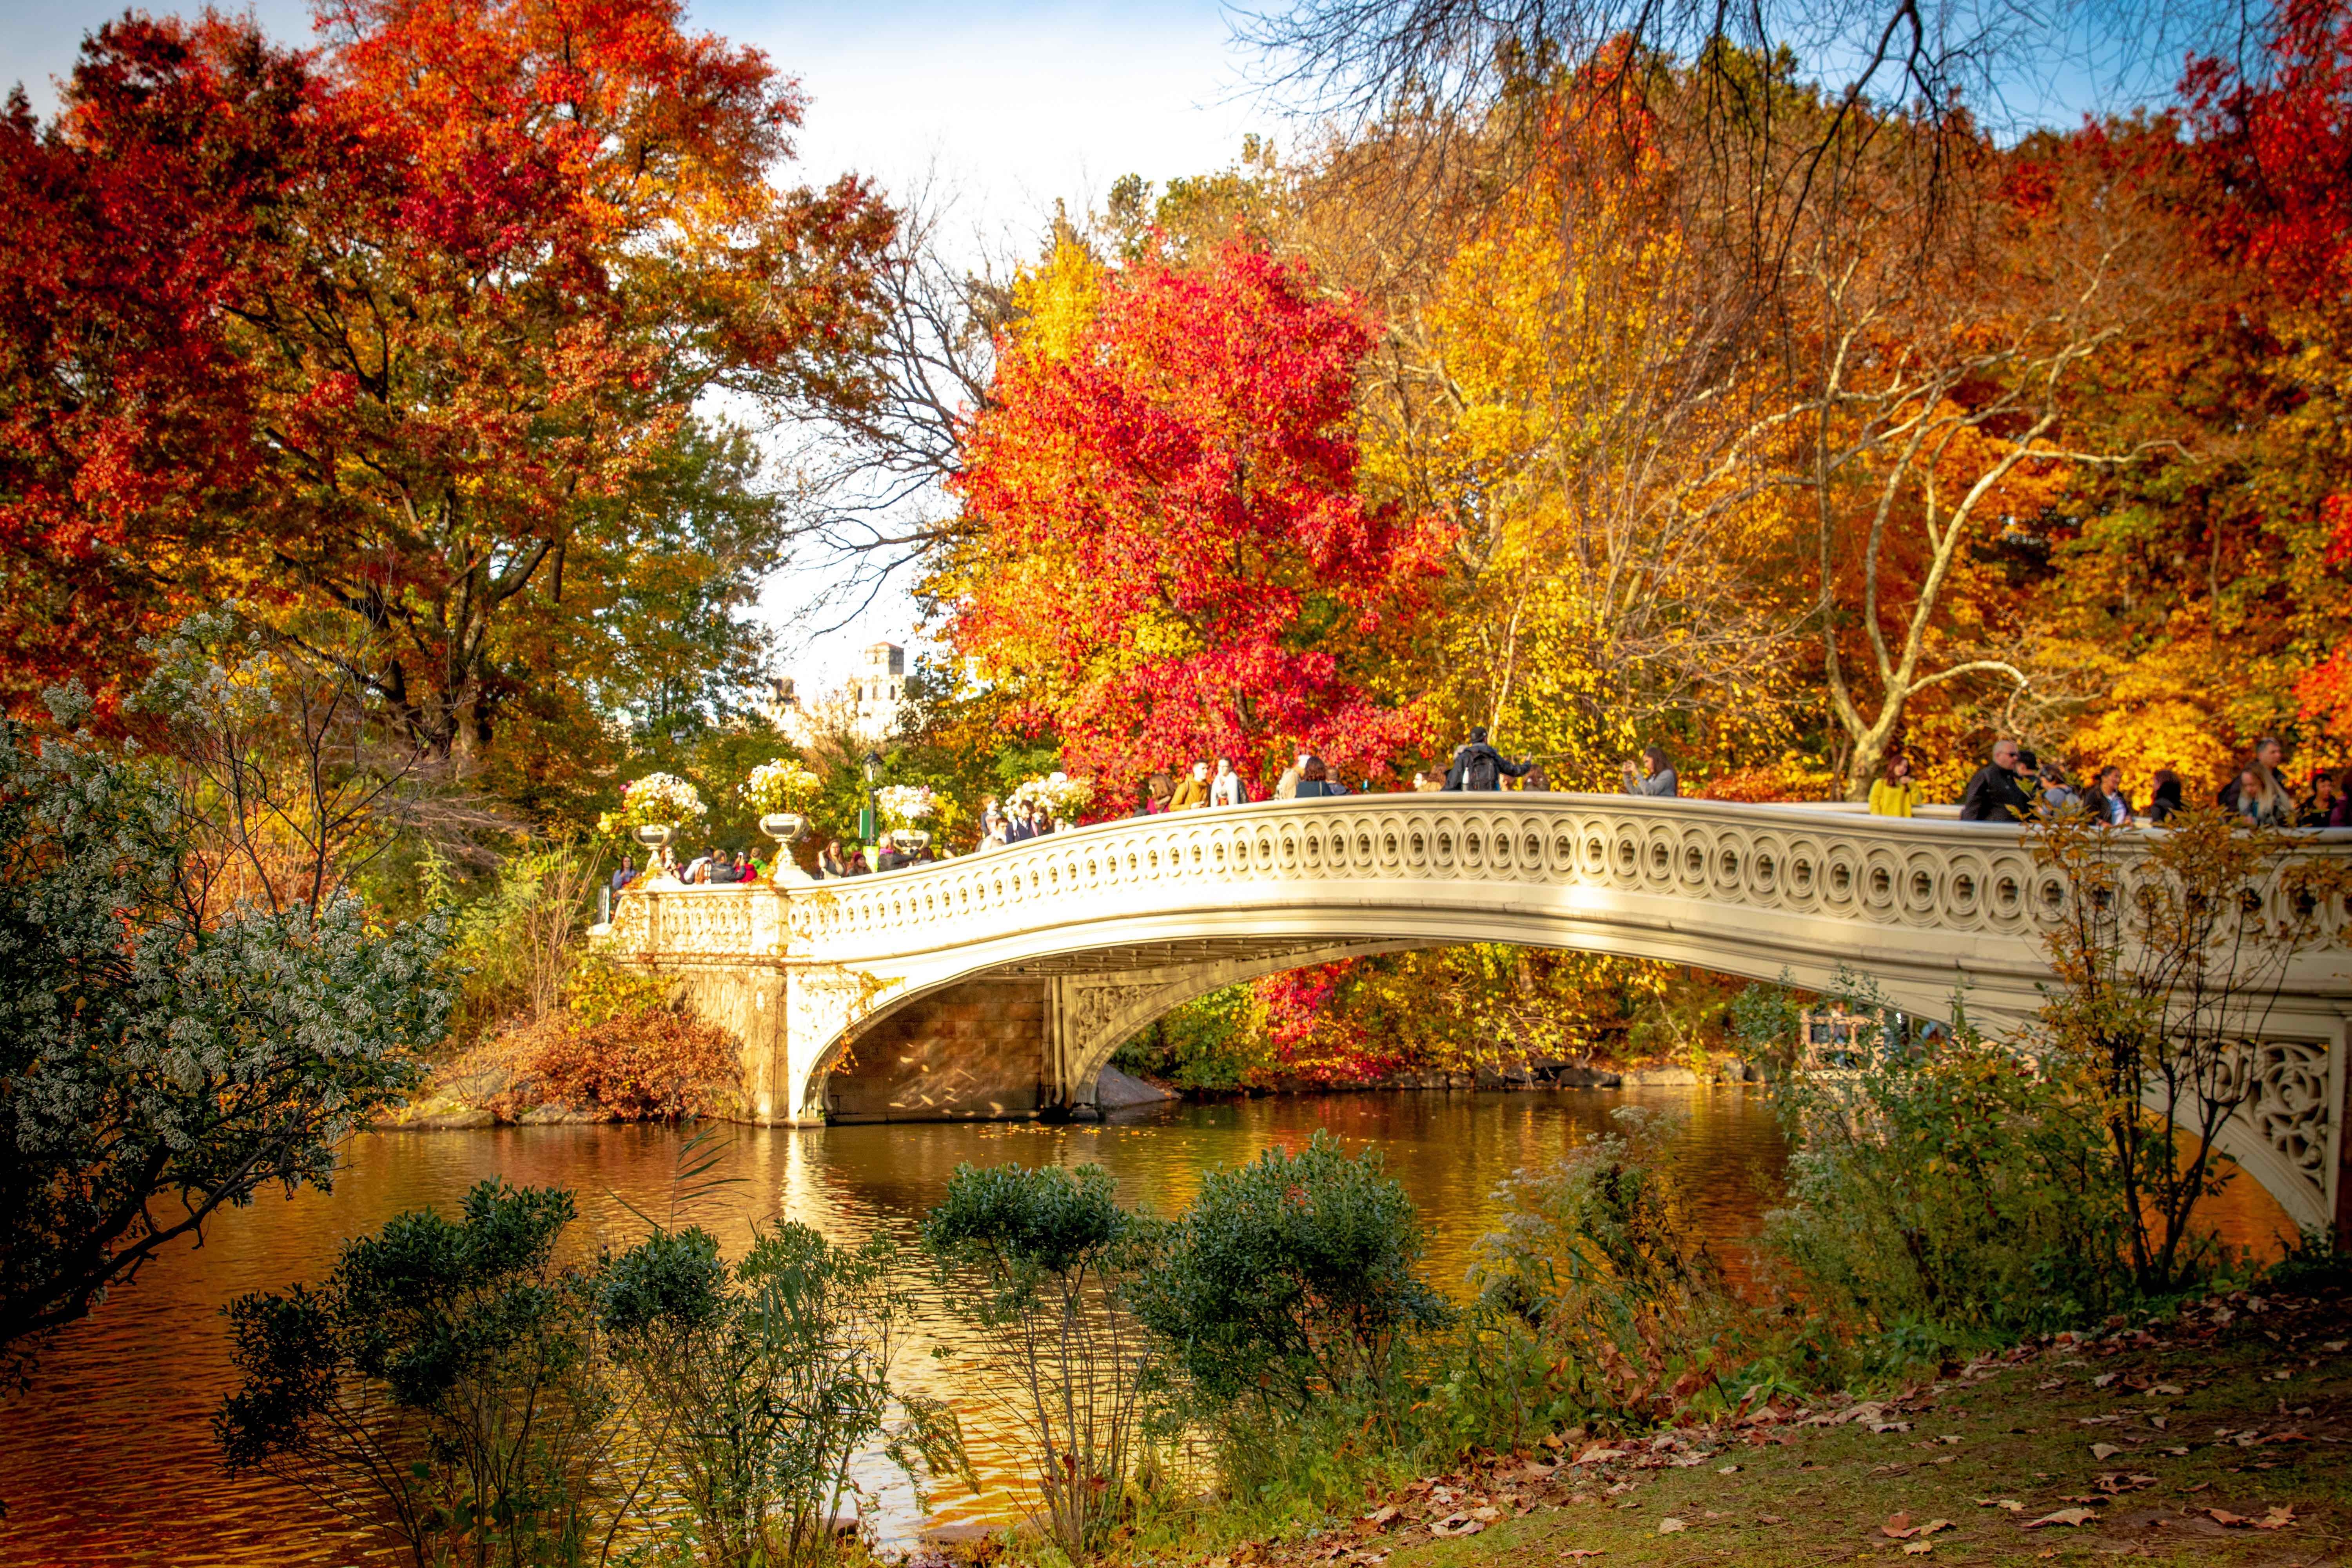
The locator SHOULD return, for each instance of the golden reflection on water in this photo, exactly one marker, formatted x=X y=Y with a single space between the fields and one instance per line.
x=109 y=1461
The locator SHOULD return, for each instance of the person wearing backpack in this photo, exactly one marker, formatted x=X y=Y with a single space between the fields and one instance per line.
x=1478 y=766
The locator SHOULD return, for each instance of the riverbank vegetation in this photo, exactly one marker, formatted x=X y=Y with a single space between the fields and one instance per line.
x=1270 y=1373
x=1260 y=1365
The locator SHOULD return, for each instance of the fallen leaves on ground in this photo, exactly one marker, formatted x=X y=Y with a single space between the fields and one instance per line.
x=2069 y=1517
x=1900 y=1528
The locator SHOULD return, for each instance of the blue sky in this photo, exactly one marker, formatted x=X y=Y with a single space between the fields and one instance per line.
x=1018 y=103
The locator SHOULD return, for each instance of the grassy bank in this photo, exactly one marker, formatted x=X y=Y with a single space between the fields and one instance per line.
x=2220 y=1436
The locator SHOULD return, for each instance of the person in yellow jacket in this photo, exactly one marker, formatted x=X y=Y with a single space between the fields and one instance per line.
x=1193 y=791
x=1896 y=792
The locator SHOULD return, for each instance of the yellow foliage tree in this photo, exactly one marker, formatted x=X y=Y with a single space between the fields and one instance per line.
x=1571 y=393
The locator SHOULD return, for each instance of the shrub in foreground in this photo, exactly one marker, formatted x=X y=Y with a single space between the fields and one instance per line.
x=1594 y=1299
x=758 y=1384
x=1039 y=1261
x=459 y=1393
x=1945 y=1196
x=1292 y=1279
x=442 y=1387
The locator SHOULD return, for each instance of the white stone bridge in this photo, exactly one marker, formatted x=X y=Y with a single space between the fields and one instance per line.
x=999 y=985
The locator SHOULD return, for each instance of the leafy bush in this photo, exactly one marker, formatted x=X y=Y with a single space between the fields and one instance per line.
x=1947 y=1195
x=1291 y=1278
x=598 y=991
x=2312 y=1265
x=518 y=942
x=1593 y=1263
x=442 y=1387
x=641 y=1064
x=1038 y=1260
x=765 y=1380
x=2156 y=990
x=1210 y=1044
x=162 y=1051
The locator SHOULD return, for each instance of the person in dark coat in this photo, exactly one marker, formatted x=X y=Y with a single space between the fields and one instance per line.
x=1478 y=765
x=2319 y=811
x=1994 y=795
x=1314 y=781
x=2164 y=801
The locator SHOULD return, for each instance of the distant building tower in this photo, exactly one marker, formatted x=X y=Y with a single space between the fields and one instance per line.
x=866 y=710
x=880 y=689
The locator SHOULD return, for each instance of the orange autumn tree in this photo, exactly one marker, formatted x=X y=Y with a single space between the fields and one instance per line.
x=404 y=334
x=1947 y=309
x=2272 y=136
x=1166 y=556
x=1582 y=391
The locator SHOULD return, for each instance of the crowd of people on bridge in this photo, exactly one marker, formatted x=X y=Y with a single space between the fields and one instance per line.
x=2013 y=785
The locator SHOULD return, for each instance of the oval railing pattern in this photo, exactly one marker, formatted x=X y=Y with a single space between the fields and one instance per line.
x=1892 y=873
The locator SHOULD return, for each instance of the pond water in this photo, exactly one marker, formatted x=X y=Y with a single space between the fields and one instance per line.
x=110 y=1460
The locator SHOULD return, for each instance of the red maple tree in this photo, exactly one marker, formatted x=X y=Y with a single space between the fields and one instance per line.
x=1170 y=560
x=2276 y=144
x=379 y=329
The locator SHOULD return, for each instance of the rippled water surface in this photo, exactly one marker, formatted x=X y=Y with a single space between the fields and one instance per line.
x=109 y=1461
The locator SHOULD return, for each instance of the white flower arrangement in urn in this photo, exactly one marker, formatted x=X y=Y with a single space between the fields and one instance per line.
x=1062 y=797
x=781 y=790
x=653 y=809
x=781 y=786
x=903 y=805
x=656 y=800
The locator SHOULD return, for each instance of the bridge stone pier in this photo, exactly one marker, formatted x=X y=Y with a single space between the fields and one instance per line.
x=998 y=985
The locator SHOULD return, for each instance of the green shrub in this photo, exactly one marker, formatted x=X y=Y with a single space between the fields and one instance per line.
x=442 y=1388
x=2312 y=1266
x=1039 y=1260
x=1947 y=1195
x=760 y=1382
x=1594 y=1300
x=1290 y=1279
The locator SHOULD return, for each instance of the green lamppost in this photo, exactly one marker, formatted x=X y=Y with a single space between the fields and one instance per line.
x=866 y=823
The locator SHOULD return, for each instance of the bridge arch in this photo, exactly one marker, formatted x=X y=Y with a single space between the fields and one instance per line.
x=1070 y=943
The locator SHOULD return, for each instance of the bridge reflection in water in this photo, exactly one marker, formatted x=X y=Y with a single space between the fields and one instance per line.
x=995 y=986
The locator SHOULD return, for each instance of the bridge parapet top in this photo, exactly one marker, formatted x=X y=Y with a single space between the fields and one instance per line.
x=1777 y=863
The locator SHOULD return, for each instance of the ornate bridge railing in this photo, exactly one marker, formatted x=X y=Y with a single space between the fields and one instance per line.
x=1937 y=879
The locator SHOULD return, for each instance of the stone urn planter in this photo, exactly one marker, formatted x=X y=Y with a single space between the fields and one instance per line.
x=657 y=838
x=787 y=828
x=909 y=840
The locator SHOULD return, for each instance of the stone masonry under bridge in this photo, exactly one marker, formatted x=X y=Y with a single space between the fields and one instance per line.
x=997 y=985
